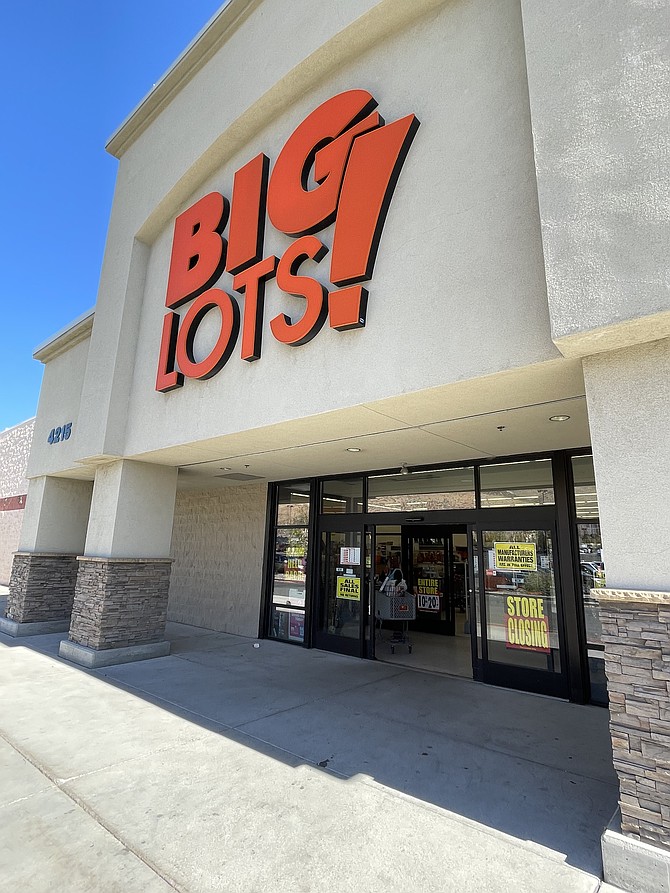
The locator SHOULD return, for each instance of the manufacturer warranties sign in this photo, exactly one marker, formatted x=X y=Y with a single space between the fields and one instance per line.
x=515 y=556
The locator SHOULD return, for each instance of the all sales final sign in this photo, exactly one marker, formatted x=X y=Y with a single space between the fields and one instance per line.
x=355 y=159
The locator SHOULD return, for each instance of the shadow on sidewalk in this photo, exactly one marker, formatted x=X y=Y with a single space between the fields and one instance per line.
x=534 y=768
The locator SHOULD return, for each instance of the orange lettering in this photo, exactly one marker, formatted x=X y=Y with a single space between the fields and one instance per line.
x=220 y=353
x=302 y=331
x=198 y=250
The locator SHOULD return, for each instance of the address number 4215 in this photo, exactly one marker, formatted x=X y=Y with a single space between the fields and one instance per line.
x=56 y=435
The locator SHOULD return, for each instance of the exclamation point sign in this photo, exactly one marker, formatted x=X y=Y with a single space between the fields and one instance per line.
x=371 y=175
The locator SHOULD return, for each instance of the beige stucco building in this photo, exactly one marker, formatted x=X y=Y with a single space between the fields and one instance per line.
x=426 y=328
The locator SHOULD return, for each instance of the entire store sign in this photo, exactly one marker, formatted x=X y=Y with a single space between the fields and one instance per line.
x=428 y=594
x=355 y=159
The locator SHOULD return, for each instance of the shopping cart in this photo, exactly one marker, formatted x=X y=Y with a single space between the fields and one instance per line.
x=400 y=607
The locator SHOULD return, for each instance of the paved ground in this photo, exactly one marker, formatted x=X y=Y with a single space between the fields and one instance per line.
x=226 y=767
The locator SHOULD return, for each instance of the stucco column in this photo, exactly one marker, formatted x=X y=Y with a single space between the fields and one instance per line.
x=629 y=415
x=44 y=570
x=120 y=604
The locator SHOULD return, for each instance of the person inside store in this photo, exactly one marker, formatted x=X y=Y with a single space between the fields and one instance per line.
x=394 y=583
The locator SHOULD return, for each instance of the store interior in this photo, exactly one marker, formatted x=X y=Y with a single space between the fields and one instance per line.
x=429 y=629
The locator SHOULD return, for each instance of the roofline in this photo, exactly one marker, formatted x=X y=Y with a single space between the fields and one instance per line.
x=17 y=425
x=182 y=70
x=67 y=337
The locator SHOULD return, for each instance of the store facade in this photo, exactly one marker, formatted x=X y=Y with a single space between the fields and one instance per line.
x=502 y=558
x=392 y=295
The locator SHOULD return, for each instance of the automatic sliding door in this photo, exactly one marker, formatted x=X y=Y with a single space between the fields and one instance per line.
x=341 y=602
x=522 y=646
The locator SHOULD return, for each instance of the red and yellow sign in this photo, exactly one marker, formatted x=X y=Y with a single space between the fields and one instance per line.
x=355 y=160
x=526 y=624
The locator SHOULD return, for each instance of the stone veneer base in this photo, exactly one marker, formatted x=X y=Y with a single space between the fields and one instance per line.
x=92 y=658
x=120 y=602
x=636 y=637
x=39 y=628
x=632 y=864
x=41 y=588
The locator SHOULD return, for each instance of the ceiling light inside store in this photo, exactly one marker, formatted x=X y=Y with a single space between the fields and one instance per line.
x=559 y=418
x=353 y=449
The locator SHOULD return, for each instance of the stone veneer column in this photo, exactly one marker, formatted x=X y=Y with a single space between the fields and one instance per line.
x=120 y=603
x=41 y=592
x=44 y=571
x=636 y=636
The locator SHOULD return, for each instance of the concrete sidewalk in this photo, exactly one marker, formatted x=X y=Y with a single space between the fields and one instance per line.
x=226 y=767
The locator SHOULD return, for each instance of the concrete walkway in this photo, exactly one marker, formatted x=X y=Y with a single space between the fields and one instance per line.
x=229 y=767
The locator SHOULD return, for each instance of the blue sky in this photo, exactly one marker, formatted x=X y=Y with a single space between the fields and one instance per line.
x=71 y=71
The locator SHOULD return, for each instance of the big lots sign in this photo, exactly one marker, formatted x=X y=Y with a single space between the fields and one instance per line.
x=354 y=160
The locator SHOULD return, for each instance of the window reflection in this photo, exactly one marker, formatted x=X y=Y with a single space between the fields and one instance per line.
x=293 y=503
x=290 y=567
x=341 y=584
x=586 y=498
x=419 y=491
x=592 y=569
x=342 y=497
x=289 y=572
x=517 y=484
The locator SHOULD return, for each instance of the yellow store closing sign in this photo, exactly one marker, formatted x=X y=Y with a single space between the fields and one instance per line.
x=527 y=625
x=515 y=556
x=349 y=587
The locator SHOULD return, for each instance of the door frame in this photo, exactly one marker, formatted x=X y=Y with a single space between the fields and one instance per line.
x=443 y=529
x=437 y=531
x=324 y=640
x=546 y=682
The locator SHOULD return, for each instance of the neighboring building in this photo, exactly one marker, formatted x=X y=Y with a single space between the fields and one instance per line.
x=430 y=332
x=14 y=450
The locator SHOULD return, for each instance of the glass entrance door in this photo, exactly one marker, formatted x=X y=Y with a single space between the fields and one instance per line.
x=429 y=565
x=342 y=605
x=487 y=598
x=521 y=645
x=434 y=562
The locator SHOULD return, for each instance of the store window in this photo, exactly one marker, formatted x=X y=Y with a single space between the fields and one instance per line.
x=520 y=590
x=342 y=496
x=293 y=504
x=517 y=484
x=422 y=491
x=289 y=575
x=591 y=569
